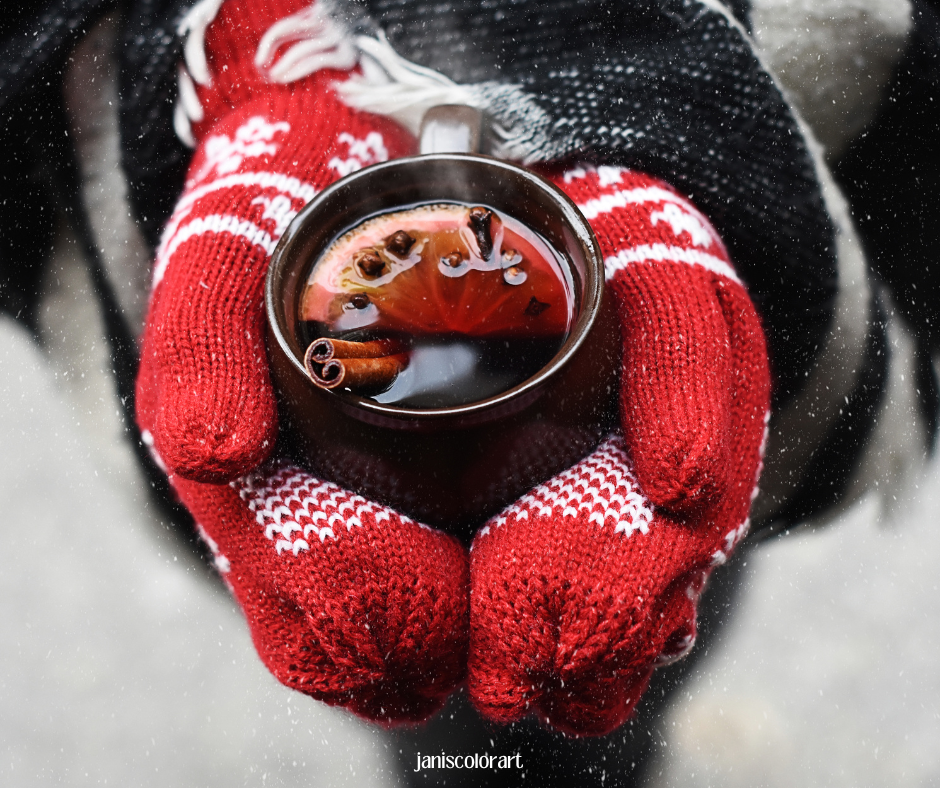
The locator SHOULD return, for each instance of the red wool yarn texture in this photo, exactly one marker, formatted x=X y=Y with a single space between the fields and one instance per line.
x=203 y=348
x=347 y=601
x=572 y=595
x=580 y=589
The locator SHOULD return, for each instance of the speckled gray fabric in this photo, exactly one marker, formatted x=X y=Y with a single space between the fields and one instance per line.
x=154 y=159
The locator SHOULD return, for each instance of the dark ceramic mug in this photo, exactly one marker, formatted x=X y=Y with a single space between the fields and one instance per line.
x=449 y=467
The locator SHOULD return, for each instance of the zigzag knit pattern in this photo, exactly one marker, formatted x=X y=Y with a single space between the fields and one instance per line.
x=585 y=585
x=286 y=499
x=600 y=488
x=347 y=601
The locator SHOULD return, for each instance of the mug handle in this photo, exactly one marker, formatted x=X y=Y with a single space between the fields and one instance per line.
x=451 y=128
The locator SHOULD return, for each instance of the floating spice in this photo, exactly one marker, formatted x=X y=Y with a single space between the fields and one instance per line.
x=515 y=275
x=369 y=263
x=468 y=301
x=359 y=366
x=535 y=307
x=481 y=220
x=399 y=243
x=452 y=260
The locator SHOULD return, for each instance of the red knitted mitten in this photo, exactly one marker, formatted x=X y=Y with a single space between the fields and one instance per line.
x=587 y=583
x=254 y=168
x=347 y=601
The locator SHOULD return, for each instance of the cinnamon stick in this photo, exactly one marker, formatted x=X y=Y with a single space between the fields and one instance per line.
x=322 y=350
x=366 y=366
x=360 y=374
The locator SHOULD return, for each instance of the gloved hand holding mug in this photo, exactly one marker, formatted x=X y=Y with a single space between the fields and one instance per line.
x=347 y=600
x=573 y=594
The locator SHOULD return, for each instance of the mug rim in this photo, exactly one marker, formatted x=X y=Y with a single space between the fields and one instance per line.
x=520 y=395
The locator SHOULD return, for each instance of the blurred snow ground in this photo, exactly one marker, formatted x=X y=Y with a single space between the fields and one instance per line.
x=827 y=674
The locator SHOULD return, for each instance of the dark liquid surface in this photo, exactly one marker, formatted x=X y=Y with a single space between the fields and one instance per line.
x=476 y=315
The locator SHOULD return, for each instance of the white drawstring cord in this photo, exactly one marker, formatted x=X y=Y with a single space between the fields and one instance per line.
x=318 y=42
x=193 y=27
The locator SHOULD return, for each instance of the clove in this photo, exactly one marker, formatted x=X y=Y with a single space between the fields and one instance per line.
x=536 y=307
x=481 y=220
x=358 y=301
x=510 y=257
x=452 y=260
x=399 y=243
x=515 y=275
x=369 y=263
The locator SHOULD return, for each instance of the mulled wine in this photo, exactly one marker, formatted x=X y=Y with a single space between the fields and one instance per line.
x=433 y=306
